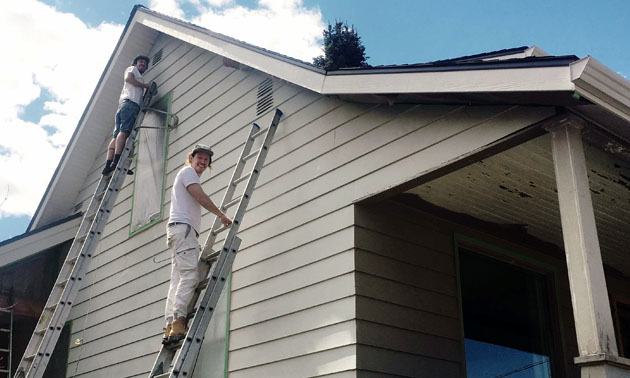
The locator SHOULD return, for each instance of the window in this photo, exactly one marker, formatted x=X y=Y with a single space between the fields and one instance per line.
x=506 y=318
x=621 y=312
x=150 y=166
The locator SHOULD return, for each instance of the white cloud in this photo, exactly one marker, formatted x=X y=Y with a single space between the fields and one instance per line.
x=283 y=26
x=60 y=54
x=52 y=51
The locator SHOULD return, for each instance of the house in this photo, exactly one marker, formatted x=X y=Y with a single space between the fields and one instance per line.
x=448 y=219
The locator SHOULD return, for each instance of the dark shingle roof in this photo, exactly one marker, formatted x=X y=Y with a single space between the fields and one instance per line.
x=469 y=62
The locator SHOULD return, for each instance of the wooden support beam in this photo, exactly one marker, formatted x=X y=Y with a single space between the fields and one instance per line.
x=591 y=309
x=589 y=295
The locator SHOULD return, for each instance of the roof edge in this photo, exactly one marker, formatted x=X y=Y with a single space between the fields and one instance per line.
x=601 y=85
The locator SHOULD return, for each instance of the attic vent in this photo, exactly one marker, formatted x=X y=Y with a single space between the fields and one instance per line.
x=157 y=56
x=77 y=207
x=265 y=96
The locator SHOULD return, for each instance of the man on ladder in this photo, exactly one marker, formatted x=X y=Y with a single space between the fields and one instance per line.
x=129 y=105
x=187 y=198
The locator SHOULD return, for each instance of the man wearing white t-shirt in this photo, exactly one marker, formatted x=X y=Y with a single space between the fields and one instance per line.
x=128 y=107
x=187 y=198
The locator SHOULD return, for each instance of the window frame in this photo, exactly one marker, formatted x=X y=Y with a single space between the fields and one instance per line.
x=551 y=274
x=615 y=300
x=168 y=97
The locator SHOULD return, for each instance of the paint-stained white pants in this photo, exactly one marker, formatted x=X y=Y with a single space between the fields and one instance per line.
x=184 y=273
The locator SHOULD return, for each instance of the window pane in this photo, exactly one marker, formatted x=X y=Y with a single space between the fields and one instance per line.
x=507 y=325
x=147 y=200
x=623 y=325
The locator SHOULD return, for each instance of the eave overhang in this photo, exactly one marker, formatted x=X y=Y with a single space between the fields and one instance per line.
x=33 y=242
x=602 y=86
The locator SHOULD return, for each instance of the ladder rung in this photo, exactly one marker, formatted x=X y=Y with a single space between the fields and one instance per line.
x=5 y=330
x=174 y=346
x=259 y=133
x=62 y=283
x=31 y=357
x=251 y=155
x=203 y=284
x=220 y=230
x=214 y=256
x=100 y=195
x=53 y=306
x=241 y=179
x=91 y=215
x=82 y=238
x=231 y=203
x=165 y=375
x=5 y=350
x=192 y=313
x=40 y=332
x=72 y=260
x=3 y=371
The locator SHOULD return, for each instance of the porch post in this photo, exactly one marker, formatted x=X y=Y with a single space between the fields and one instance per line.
x=589 y=295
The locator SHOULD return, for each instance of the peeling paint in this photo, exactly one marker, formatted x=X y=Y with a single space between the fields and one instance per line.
x=615 y=180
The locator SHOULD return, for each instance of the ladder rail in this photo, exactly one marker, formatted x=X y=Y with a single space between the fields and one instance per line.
x=192 y=344
x=9 y=331
x=229 y=193
x=214 y=276
x=59 y=304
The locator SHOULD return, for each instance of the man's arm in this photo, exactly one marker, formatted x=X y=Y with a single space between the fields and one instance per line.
x=197 y=192
x=132 y=80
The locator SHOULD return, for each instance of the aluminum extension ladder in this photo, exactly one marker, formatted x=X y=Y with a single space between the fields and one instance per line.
x=6 y=338
x=215 y=266
x=66 y=288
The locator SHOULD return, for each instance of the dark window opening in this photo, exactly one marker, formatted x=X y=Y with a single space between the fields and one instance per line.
x=28 y=295
x=622 y=327
x=507 y=320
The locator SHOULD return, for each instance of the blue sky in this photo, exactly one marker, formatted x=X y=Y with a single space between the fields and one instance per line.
x=48 y=92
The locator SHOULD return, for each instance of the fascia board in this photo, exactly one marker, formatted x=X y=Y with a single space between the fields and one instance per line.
x=601 y=85
x=38 y=241
x=274 y=66
x=536 y=79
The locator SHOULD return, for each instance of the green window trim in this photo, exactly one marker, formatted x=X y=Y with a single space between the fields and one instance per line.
x=165 y=103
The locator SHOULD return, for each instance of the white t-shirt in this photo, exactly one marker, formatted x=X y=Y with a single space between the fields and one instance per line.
x=184 y=207
x=131 y=92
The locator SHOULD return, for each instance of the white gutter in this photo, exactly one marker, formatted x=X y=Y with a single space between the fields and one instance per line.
x=602 y=86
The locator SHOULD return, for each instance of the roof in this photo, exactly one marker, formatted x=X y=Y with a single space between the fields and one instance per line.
x=33 y=242
x=517 y=75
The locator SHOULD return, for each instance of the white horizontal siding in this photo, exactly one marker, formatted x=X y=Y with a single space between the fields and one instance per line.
x=297 y=259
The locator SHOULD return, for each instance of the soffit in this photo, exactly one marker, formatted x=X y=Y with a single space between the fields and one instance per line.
x=517 y=187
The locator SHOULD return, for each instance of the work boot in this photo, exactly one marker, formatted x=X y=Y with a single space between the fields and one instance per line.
x=178 y=330
x=109 y=168
x=167 y=333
